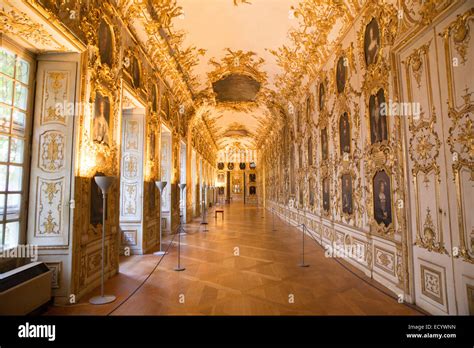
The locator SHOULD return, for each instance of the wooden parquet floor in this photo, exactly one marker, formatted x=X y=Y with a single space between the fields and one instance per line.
x=239 y=267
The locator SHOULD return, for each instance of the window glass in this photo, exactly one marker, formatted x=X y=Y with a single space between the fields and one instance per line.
x=7 y=62
x=15 y=74
x=21 y=96
x=2 y=204
x=6 y=90
x=4 y=141
x=19 y=119
x=12 y=233
x=14 y=178
x=22 y=71
x=3 y=177
x=16 y=150
x=13 y=206
x=5 y=119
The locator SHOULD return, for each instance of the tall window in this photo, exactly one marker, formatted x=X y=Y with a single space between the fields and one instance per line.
x=14 y=92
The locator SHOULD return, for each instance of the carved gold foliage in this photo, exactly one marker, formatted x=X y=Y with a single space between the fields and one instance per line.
x=238 y=62
x=19 y=24
x=90 y=24
x=461 y=135
x=399 y=267
x=49 y=209
x=55 y=94
x=52 y=146
x=310 y=44
x=415 y=61
x=50 y=191
x=461 y=144
x=163 y=37
x=460 y=32
x=240 y=2
x=424 y=150
x=430 y=9
x=428 y=237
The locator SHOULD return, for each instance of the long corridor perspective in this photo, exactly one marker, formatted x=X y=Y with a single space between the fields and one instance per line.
x=240 y=265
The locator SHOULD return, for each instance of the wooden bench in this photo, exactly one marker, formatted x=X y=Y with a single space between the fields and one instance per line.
x=221 y=211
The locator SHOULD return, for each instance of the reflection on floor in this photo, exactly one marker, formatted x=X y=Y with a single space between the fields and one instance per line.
x=240 y=267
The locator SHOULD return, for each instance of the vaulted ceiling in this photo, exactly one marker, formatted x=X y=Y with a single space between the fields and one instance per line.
x=247 y=50
x=237 y=67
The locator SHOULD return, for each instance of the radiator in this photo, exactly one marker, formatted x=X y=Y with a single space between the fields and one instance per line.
x=24 y=289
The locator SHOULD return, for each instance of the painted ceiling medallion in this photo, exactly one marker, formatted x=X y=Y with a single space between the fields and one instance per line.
x=236 y=130
x=237 y=78
x=236 y=88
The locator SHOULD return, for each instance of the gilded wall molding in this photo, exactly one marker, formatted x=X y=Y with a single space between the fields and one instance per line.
x=460 y=139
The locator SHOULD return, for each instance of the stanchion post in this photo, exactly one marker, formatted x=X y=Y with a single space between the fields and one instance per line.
x=303 y=264
x=180 y=228
x=178 y=267
x=161 y=186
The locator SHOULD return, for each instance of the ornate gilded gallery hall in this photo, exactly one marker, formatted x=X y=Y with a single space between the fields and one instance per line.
x=236 y=157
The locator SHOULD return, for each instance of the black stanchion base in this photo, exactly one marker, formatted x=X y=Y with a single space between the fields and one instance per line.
x=303 y=265
x=179 y=269
x=204 y=223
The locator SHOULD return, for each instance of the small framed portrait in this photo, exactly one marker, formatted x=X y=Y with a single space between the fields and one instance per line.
x=346 y=194
x=324 y=144
x=326 y=194
x=106 y=43
x=378 y=117
x=221 y=178
x=341 y=74
x=344 y=134
x=136 y=72
x=221 y=190
x=252 y=190
x=230 y=166
x=252 y=177
x=321 y=96
x=101 y=119
x=382 y=198
x=371 y=42
x=252 y=165
x=220 y=165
